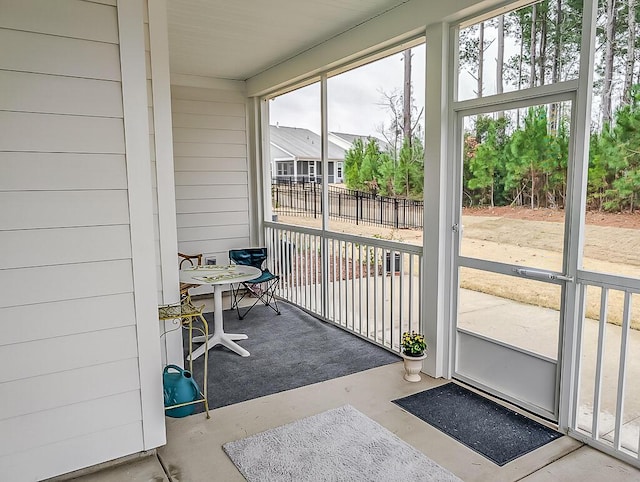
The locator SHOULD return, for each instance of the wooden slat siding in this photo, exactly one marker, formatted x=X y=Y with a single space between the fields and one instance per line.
x=21 y=249
x=55 y=209
x=219 y=246
x=211 y=170
x=67 y=353
x=104 y=2
x=41 y=428
x=93 y=448
x=206 y=164
x=200 y=149
x=203 y=219
x=61 y=133
x=209 y=108
x=207 y=233
x=184 y=206
x=77 y=20
x=200 y=94
x=207 y=192
x=45 y=393
x=70 y=317
x=60 y=95
x=65 y=266
x=61 y=172
x=48 y=54
x=211 y=178
x=197 y=121
x=212 y=136
x=64 y=282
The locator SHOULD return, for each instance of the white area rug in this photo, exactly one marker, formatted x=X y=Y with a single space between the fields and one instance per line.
x=337 y=445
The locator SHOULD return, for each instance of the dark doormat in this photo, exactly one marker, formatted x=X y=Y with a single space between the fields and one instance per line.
x=496 y=432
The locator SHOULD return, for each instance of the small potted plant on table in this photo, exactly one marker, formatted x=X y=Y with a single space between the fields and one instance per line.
x=413 y=351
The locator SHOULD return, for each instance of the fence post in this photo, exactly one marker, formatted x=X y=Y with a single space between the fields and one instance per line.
x=381 y=212
x=395 y=212
x=291 y=205
x=404 y=217
x=315 y=201
x=357 y=196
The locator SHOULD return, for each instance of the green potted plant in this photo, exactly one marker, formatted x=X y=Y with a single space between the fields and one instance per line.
x=414 y=349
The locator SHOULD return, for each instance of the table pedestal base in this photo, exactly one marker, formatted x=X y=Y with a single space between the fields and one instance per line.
x=219 y=337
x=224 y=339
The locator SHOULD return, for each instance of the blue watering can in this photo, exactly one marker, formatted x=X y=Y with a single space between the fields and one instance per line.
x=179 y=387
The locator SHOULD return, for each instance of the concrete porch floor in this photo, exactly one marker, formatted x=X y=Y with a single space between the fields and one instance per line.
x=194 y=445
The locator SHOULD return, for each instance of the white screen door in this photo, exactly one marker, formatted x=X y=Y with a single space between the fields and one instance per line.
x=510 y=268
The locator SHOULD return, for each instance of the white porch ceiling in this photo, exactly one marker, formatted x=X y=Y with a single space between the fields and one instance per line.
x=238 y=39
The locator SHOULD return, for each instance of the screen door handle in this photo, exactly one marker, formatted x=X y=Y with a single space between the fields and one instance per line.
x=532 y=273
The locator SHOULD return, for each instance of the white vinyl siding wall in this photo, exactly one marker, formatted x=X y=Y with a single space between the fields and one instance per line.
x=211 y=170
x=71 y=386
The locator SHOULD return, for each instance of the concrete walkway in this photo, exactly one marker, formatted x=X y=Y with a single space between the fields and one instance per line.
x=194 y=445
x=193 y=451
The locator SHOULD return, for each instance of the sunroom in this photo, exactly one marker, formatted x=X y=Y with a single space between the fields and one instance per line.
x=135 y=129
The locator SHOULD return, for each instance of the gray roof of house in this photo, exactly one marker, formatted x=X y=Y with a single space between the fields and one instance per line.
x=350 y=138
x=302 y=143
x=277 y=153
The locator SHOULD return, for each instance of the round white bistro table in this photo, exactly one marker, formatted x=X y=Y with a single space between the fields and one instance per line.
x=216 y=276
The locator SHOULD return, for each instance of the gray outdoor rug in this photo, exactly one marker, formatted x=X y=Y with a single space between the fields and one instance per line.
x=337 y=445
x=287 y=351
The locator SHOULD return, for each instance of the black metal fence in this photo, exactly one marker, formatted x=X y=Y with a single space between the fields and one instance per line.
x=305 y=199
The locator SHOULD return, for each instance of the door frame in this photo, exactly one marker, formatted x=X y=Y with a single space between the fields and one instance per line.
x=561 y=92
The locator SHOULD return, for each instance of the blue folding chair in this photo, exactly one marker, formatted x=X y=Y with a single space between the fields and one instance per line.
x=263 y=287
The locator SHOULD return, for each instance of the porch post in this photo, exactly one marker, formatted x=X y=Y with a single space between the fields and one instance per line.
x=577 y=189
x=165 y=178
x=324 y=152
x=436 y=273
x=136 y=127
x=259 y=157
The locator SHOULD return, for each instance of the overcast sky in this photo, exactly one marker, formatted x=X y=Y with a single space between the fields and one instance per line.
x=355 y=97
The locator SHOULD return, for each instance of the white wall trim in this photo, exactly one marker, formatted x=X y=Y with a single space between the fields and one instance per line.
x=163 y=137
x=136 y=126
x=256 y=172
x=436 y=317
x=188 y=80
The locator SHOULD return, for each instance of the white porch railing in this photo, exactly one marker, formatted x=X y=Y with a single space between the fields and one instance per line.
x=607 y=413
x=370 y=287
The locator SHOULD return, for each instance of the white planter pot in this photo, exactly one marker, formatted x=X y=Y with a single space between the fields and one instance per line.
x=412 y=367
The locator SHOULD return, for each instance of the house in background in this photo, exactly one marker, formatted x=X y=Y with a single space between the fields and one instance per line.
x=345 y=140
x=296 y=156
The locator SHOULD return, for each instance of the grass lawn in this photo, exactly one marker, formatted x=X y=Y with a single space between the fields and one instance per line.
x=533 y=239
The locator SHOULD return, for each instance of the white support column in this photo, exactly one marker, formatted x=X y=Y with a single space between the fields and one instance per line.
x=324 y=151
x=258 y=164
x=436 y=264
x=136 y=127
x=163 y=136
x=577 y=189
